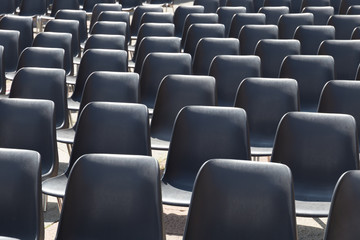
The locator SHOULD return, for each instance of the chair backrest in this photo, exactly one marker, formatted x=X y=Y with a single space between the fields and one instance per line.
x=9 y=39
x=226 y=14
x=176 y=92
x=180 y=15
x=277 y=3
x=266 y=101
x=34 y=7
x=272 y=52
x=321 y=13
x=107 y=183
x=311 y=72
x=229 y=71
x=63 y=4
x=109 y=27
x=344 y=25
x=354 y=9
x=198 y=31
x=346 y=54
x=8 y=6
x=214 y=132
x=155 y=44
x=130 y=5
x=344 y=210
x=57 y=40
x=20 y=204
x=117 y=16
x=30 y=124
x=157 y=17
x=241 y=19
x=250 y=35
x=22 y=24
x=155 y=67
x=247 y=4
x=315 y=3
x=210 y=6
x=311 y=36
x=89 y=5
x=41 y=57
x=100 y=7
x=220 y=181
x=78 y=15
x=289 y=22
x=43 y=83
x=273 y=13
x=208 y=48
x=98 y=60
x=328 y=146
x=138 y=12
x=105 y=41
x=345 y=5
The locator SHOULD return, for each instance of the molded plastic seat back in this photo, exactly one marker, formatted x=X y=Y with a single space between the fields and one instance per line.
x=311 y=37
x=289 y=22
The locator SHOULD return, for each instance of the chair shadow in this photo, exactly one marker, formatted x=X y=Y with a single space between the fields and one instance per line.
x=310 y=233
x=174 y=224
x=51 y=214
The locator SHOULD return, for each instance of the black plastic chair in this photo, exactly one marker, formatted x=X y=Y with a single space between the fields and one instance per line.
x=89 y=5
x=311 y=72
x=78 y=15
x=117 y=16
x=226 y=14
x=277 y=3
x=346 y=54
x=181 y=13
x=111 y=28
x=105 y=127
x=9 y=39
x=250 y=35
x=201 y=133
x=96 y=60
x=341 y=96
x=344 y=25
x=30 y=124
x=229 y=71
x=22 y=24
x=311 y=36
x=105 y=87
x=344 y=210
x=318 y=148
x=99 y=8
x=100 y=207
x=198 y=31
x=33 y=8
x=105 y=41
x=157 y=17
x=229 y=201
x=155 y=67
x=353 y=10
x=345 y=4
x=248 y=4
x=208 y=48
x=8 y=6
x=273 y=13
x=321 y=14
x=289 y=22
x=314 y=3
x=210 y=6
x=43 y=83
x=241 y=19
x=176 y=92
x=272 y=52
x=266 y=101
x=20 y=204
x=63 y=4
x=138 y=12
x=130 y=5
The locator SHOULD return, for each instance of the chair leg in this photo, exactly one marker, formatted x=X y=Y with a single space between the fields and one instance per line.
x=69 y=148
x=44 y=202
x=60 y=203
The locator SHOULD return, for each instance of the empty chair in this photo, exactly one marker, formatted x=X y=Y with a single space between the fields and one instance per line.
x=105 y=127
x=344 y=25
x=109 y=27
x=314 y=3
x=22 y=24
x=226 y=14
x=96 y=60
x=193 y=18
x=138 y=12
x=57 y=40
x=20 y=204
x=266 y=101
x=346 y=54
x=104 y=86
x=328 y=147
x=210 y=6
x=89 y=5
x=214 y=132
x=9 y=39
x=311 y=36
x=78 y=15
x=241 y=19
x=250 y=35
x=344 y=210
x=32 y=8
x=221 y=181
x=181 y=13
x=8 y=6
x=229 y=71
x=157 y=17
x=105 y=41
x=130 y=5
x=120 y=178
x=341 y=96
x=117 y=16
x=354 y=9
x=345 y=4
x=43 y=83
x=202 y=30
x=154 y=44
x=176 y=92
x=272 y=52
x=100 y=7
x=249 y=5
x=273 y=13
x=289 y=22
x=311 y=72
x=208 y=48
x=155 y=67
x=277 y=3
x=321 y=14
x=30 y=124
x=63 y=4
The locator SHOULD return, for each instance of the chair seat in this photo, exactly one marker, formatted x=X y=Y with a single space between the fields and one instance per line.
x=261 y=151
x=159 y=144
x=73 y=105
x=312 y=208
x=55 y=186
x=172 y=195
x=71 y=80
x=65 y=135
